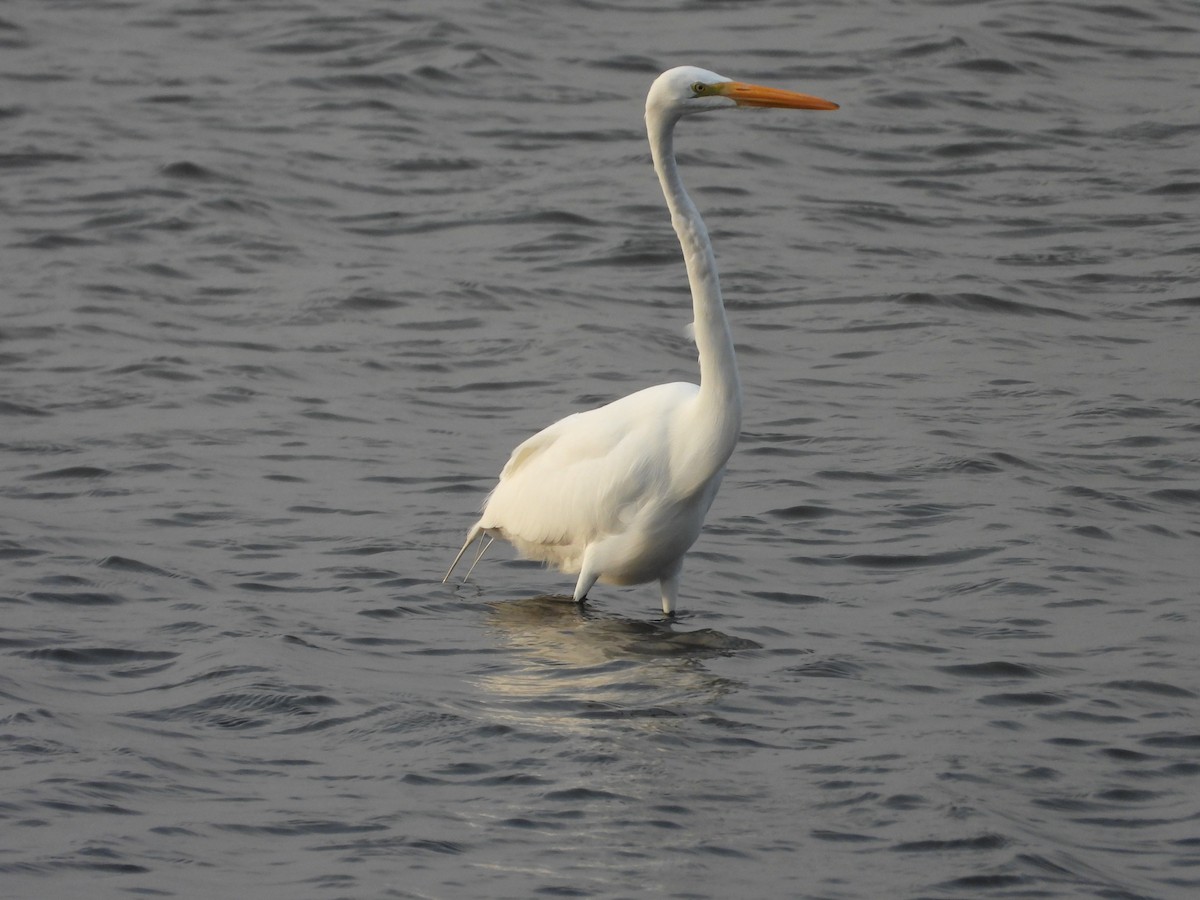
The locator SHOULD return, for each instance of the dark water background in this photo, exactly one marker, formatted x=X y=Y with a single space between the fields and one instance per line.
x=283 y=282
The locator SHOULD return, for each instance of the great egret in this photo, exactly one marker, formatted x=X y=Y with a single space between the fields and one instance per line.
x=619 y=493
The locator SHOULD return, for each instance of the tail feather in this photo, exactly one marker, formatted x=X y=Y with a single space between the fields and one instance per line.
x=472 y=535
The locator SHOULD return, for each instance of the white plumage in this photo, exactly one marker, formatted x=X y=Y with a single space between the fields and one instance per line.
x=619 y=493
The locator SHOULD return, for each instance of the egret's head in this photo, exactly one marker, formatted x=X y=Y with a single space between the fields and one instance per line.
x=687 y=89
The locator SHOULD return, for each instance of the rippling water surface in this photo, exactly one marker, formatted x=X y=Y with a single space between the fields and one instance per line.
x=283 y=282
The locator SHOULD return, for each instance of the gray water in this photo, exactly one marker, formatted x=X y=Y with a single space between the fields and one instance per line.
x=284 y=282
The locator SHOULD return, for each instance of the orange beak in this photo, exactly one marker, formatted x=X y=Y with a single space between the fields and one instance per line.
x=757 y=95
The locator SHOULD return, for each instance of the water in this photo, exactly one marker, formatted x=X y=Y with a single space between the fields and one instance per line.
x=283 y=284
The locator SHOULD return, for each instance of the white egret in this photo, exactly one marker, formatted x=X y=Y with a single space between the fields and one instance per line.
x=619 y=493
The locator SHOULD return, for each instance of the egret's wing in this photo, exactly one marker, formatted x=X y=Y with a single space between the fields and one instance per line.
x=586 y=475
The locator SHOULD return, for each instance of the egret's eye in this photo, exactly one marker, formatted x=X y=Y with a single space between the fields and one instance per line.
x=699 y=87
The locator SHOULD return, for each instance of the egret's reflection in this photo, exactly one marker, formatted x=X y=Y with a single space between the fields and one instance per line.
x=577 y=664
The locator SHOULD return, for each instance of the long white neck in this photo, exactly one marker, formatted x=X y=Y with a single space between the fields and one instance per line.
x=720 y=399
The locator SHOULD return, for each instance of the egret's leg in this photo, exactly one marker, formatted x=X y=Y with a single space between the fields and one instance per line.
x=589 y=574
x=586 y=579
x=490 y=541
x=475 y=532
x=670 y=591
